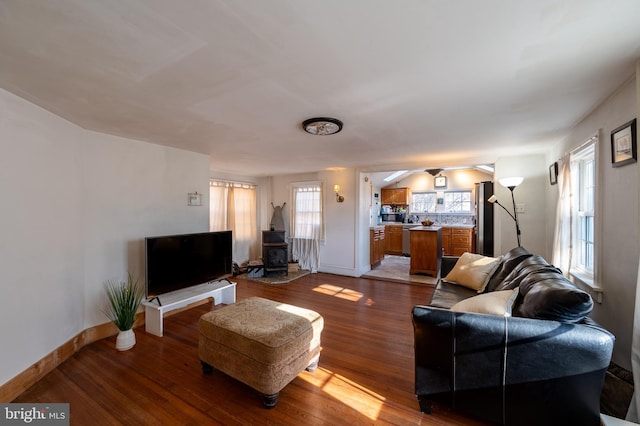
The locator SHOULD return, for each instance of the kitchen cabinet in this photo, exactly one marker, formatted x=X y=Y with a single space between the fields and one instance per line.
x=376 y=245
x=426 y=250
x=393 y=239
x=398 y=196
x=456 y=241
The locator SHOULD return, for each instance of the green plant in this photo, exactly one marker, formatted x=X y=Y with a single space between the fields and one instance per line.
x=124 y=301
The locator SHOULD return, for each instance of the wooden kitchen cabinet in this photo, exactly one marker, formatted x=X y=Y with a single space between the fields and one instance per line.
x=398 y=196
x=393 y=239
x=426 y=250
x=376 y=245
x=456 y=241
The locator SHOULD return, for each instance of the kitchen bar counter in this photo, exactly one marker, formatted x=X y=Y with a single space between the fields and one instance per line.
x=426 y=250
x=442 y=225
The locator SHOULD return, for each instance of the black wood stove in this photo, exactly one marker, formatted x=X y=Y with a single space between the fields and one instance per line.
x=275 y=252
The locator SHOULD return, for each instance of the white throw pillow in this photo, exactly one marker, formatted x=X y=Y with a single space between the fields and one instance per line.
x=473 y=271
x=494 y=303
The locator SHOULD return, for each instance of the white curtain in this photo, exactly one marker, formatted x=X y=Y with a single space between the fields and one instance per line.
x=234 y=206
x=562 y=244
x=218 y=208
x=307 y=225
x=242 y=221
x=633 y=415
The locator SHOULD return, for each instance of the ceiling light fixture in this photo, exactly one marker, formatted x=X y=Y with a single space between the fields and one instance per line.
x=322 y=126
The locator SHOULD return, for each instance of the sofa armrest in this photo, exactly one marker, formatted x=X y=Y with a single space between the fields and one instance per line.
x=506 y=369
x=447 y=264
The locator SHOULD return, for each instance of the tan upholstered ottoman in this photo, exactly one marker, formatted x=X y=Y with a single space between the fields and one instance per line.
x=262 y=343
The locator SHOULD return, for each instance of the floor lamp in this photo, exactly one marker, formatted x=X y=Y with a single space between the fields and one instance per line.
x=511 y=183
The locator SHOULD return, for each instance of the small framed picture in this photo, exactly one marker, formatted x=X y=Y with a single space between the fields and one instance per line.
x=553 y=173
x=194 y=199
x=624 y=147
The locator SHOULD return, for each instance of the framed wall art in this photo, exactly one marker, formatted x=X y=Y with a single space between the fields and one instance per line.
x=624 y=147
x=553 y=173
x=194 y=199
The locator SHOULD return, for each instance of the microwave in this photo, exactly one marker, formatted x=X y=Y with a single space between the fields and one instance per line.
x=392 y=217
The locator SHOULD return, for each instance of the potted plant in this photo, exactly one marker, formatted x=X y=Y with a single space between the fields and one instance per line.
x=124 y=301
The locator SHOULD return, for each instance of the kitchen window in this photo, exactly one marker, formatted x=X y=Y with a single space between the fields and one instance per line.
x=423 y=202
x=457 y=201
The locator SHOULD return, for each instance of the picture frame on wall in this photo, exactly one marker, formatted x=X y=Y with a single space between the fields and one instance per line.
x=553 y=173
x=624 y=146
x=194 y=199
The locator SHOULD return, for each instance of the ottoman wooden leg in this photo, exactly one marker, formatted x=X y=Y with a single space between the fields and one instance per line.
x=270 y=401
x=206 y=368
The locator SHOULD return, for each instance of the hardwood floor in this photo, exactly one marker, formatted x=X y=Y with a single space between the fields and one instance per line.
x=365 y=374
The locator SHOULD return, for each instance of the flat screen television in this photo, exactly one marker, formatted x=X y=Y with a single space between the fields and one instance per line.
x=175 y=262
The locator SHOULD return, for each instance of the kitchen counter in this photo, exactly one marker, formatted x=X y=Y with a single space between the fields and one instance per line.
x=426 y=250
x=425 y=228
x=442 y=225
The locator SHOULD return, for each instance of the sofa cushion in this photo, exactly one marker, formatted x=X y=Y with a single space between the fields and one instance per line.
x=523 y=269
x=510 y=261
x=446 y=295
x=494 y=303
x=473 y=271
x=549 y=295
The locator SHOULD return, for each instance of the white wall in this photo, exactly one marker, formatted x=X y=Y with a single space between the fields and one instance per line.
x=76 y=208
x=617 y=257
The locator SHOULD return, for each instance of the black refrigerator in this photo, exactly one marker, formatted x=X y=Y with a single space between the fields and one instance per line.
x=484 y=218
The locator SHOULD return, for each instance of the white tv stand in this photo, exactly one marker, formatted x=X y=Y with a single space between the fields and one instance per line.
x=222 y=291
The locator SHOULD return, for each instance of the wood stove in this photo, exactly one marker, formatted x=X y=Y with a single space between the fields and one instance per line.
x=275 y=252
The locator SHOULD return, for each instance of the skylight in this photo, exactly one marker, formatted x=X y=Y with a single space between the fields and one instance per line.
x=394 y=175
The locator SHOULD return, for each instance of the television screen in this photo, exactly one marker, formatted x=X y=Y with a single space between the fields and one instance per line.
x=178 y=261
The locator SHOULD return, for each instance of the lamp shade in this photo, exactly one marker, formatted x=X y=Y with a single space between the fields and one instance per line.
x=336 y=188
x=511 y=182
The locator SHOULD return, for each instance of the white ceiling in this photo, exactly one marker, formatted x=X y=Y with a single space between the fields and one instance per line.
x=427 y=83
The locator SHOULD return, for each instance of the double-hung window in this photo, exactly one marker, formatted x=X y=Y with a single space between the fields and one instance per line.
x=457 y=201
x=583 y=182
x=423 y=202
x=307 y=223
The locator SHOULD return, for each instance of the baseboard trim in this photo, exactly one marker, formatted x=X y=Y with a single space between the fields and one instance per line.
x=23 y=381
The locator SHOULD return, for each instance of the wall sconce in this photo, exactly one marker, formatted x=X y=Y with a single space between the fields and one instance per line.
x=339 y=198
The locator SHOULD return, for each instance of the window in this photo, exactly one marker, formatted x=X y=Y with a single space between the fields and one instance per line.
x=233 y=205
x=423 y=202
x=457 y=201
x=583 y=168
x=306 y=218
x=307 y=223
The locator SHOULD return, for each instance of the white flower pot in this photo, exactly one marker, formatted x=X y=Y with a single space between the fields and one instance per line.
x=126 y=340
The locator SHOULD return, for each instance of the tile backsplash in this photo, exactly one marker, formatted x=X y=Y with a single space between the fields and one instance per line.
x=447 y=218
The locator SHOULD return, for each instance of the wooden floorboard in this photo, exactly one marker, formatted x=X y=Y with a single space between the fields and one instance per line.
x=365 y=375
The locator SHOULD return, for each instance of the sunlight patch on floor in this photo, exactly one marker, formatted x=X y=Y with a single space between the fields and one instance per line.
x=341 y=292
x=353 y=395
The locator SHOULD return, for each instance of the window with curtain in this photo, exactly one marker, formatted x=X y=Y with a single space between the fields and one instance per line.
x=307 y=223
x=574 y=248
x=234 y=206
x=583 y=166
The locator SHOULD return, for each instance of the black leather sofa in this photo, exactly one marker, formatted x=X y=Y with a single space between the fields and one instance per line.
x=524 y=369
